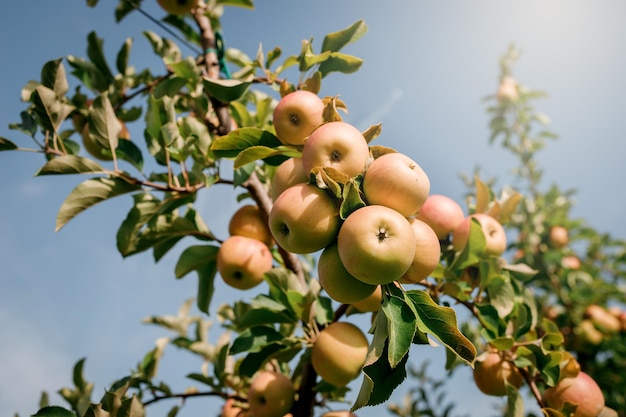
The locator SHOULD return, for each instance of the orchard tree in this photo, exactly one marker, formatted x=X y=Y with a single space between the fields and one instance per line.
x=333 y=225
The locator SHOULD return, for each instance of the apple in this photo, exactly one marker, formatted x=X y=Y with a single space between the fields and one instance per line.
x=376 y=244
x=507 y=90
x=602 y=319
x=427 y=252
x=339 y=352
x=287 y=174
x=230 y=409
x=271 y=394
x=495 y=235
x=370 y=304
x=581 y=390
x=558 y=236
x=587 y=334
x=177 y=6
x=248 y=221
x=342 y=413
x=304 y=219
x=570 y=262
x=337 y=282
x=337 y=145
x=396 y=181
x=242 y=262
x=442 y=214
x=492 y=372
x=296 y=115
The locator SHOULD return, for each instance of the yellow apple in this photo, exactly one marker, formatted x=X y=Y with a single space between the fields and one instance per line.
x=442 y=214
x=493 y=371
x=337 y=282
x=376 y=244
x=296 y=115
x=427 y=252
x=177 y=6
x=495 y=235
x=248 y=221
x=370 y=304
x=337 y=145
x=339 y=353
x=287 y=174
x=304 y=219
x=271 y=394
x=396 y=181
x=581 y=390
x=242 y=262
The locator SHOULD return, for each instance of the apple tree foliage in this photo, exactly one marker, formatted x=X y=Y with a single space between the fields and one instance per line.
x=205 y=127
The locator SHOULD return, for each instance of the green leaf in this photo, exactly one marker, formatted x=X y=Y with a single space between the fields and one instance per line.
x=131 y=407
x=352 y=198
x=230 y=145
x=195 y=257
x=53 y=76
x=473 y=251
x=255 y=153
x=259 y=316
x=69 y=164
x=501 y=295
x=254 y=339
x=401 y=322
x=441 y=323
x=6 y=145
x=206 y=286
x=49 y=110
x=95 y=53
x=337 y=40
x=54 y=411
x=248 y=4
x=127 y=150
x=169 y=87
x=515 y=402
x=121 y=62
x=103 y=123
x=226 y=90
x=89 y=193
x=338 y=62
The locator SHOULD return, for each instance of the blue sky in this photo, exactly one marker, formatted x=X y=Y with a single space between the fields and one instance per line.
x=427 y=66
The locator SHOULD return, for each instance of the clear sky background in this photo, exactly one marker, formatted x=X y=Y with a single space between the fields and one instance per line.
x=67 y=295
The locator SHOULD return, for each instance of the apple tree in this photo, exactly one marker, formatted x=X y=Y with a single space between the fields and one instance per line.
x=334 y=225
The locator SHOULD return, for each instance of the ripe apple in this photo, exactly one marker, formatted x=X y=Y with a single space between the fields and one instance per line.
x=376 y=244
x=493 y=371
x=337 y=282
x=396 y=181
x=570 y=262
x=287 y=174
x=581 y=390
x=370 y=304
x=558 y=236
x=339 y=353
x=242 y=261
x=248 y=221
x=296 y=115
x=602 y=319
x=271 y=394
x=342 y=413
x=495 y=235
x=338 y=145
x=507 y=90
x=442 y=214
x=304 y=219
x=230 y=409
x=177 y=6
x=427 y=252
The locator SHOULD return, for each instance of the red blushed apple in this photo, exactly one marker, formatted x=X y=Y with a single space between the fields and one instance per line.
x=296 y=115
x=271 y=394
x=304 y=219
x=495 y=235
x=427 y=253
x=337 y=145
x=242 y=261
x=376 y=244
x=248 y=221
x=287 y=174
x=558 y=237
x=581 y=390
x=396 y=181
x=442 y=214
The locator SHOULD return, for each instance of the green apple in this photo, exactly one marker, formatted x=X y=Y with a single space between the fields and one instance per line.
x=296 y=115
x=339 y=352
x=242 y=261
x=495 y=236
x=271 y=394
x=304 y=219
x=287 y=174
x=442 y=214
x=337 y=145
x=492 y=372
x=396 y=181
x=337 y=282
x=376 y=244
x=248 y=221
x=581 y=390
x=427 y=252
x=178 y=6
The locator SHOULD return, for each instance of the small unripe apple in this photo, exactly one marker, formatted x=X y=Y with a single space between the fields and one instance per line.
x=339 y=353
x=337 y=281
x=178 y=6
x=495 y=236
x=287 y=174
x=376 y=244
x=296 y=115
x=337 y=145
x=558 y=237
x=396 y=181
x=242 y=262
x=271 y=394
x=442 y=214
x=492 y=373
x=581 y=390
x=248 y=221
x=304 y=219
x=427 y=252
